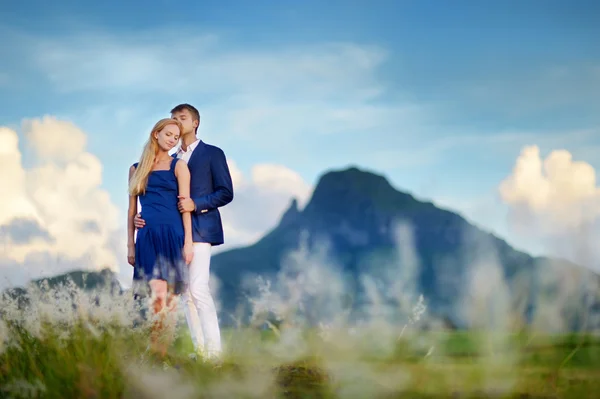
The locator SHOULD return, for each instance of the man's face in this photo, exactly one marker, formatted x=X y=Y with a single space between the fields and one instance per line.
x=189 y=124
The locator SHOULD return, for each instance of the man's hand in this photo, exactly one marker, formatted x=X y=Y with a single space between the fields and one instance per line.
x=138 y=222
x=186 y=204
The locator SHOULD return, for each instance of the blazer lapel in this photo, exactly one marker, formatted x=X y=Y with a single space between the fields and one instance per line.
x=199 y=148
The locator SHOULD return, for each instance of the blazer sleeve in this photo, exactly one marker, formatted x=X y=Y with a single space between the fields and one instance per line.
x=222 y=184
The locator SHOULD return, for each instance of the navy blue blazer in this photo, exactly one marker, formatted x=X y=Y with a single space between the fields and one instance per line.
x=210 y=188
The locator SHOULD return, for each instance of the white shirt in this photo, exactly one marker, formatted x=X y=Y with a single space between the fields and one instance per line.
x=185 y=155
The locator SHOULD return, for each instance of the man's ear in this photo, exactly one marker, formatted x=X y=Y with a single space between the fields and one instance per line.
x=196 y=123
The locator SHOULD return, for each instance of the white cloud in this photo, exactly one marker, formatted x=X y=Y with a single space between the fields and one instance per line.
x=54 y=216
x=55 y=140
x=260 y=201
x=257 y=95
x=563 y=191
x=280 y=180
x=15 y=204
x=144 y=62
x=276 y=98
x=558 y=199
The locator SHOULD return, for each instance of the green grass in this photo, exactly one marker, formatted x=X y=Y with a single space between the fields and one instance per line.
x=101 y=353
x=112 y=363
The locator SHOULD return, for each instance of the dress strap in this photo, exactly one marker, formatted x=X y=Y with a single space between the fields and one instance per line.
x=173 y=163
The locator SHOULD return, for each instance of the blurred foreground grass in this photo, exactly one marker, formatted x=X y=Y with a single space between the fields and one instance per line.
x=83 y=359
x=63 y=342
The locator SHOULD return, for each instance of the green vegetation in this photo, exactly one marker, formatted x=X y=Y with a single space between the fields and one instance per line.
x=69 y=343
x=86 y=359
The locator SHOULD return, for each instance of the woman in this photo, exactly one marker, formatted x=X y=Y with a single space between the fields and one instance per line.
x=164 y=246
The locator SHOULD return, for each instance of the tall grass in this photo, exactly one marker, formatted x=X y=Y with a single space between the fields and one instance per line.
x=69 y=343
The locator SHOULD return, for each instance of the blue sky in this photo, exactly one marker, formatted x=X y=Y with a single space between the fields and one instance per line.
x=441 y=97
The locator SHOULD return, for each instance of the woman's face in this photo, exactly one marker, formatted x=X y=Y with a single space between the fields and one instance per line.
x=168 y=137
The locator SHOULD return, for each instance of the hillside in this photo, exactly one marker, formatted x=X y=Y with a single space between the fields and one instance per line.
x=358 y=215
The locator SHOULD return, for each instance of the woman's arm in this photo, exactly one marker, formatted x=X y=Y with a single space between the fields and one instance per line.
x=182 y=173
x=131 y=212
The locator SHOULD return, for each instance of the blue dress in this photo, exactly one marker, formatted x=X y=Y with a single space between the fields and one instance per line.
x=159 y=244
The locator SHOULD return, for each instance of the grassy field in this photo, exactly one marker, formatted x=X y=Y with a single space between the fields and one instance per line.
x=53 y=351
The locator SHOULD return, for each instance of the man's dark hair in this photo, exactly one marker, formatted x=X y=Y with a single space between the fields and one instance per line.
x=190 y=108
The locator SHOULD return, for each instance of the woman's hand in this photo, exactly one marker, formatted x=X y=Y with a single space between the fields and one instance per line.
x=188 y=252
x=131 y=255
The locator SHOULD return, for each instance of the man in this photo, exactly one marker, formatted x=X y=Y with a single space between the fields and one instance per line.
x=210 y=188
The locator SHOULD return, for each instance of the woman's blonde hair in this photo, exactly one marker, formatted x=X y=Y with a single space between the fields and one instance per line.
x=139 y=179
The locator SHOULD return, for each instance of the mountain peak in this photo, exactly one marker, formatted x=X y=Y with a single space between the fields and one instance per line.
x=291 y=213
x=354 y=188
x=353 y=175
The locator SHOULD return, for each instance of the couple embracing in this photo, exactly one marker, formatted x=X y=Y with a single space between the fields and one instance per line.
x=179 y=223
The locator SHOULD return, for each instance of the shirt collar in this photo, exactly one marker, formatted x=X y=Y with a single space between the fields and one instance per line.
x=190 y=147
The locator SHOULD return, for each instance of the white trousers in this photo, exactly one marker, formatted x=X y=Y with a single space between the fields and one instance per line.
x=198 y=304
